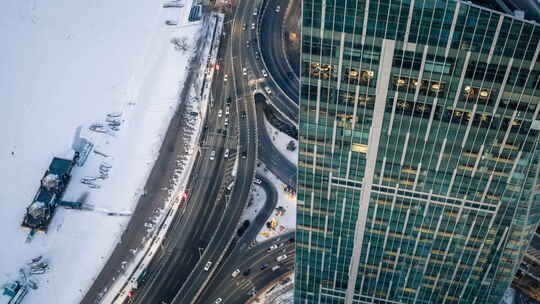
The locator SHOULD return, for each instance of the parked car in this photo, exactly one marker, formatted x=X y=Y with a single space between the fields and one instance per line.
x=278 y=8
x=264 y=266
x=218 y=300
x=219 y=113
x=212 y=155
x=226 y=154
x=268 y=91
x=244 y=71
x=247 y=272
x=257 y=181
x=275 y=268
x=235 y=273
x=272 y=247
x=265 y=74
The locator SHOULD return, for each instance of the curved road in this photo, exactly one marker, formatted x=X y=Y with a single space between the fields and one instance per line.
x=269 y=155
x=272 y=49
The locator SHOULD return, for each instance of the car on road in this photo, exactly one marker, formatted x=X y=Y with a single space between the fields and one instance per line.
x=247 y=44
x=264 y=266
x=275 y=268
x=228 y=100
x=226 y=123
x=208 y=265
x=268 y=91
x=253 y=26
x=218 y=300
x=219 y=113
x=212 y=154
x=243 y=115
x=244 y=154
x=226 y=110
x=244 y=71
x=226 y=77
x=246 y=272
x=278 y=8
x=244 y=27
x=235 y=273
x=272 y=247
x=257 y=181
x=264 y=73
x=281 y=257
x=226 y=154
x=256 y=12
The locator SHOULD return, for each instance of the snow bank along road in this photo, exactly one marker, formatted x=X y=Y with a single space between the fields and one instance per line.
x=69 y=63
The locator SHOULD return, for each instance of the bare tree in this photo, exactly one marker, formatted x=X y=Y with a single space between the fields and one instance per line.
x=180 y=44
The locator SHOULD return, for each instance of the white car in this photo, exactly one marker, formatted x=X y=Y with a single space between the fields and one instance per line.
x=268 y=91
x=278 y=8
x=244 y=71
x=212 y=155
x=264 y=73
x=275 y=268
x=218 y=300
x=281 y=257
x=253 y=26
x=272 y=247
x=227 y=110
x=235 y=273
x=226 y=77
x=257 y=181
x=219 y=113
x=226 y=154
x=226 y=123
x=209 y=264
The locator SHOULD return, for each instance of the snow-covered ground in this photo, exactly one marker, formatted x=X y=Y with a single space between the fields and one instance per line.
x=255 y=205
x=281 y=140
x=65 y=64
x=286 y=221
x=278 y=292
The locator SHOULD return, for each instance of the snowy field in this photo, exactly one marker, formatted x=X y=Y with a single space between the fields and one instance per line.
x=68 y=64
x=280 y=141
x=285 y=221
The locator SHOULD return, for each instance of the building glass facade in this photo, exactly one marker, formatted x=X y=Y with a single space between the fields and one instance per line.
x=418 y=165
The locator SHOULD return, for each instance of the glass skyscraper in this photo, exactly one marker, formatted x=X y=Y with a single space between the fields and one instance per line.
x=418 y=165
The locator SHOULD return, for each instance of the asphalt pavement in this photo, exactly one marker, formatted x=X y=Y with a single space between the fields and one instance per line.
x=274 y=160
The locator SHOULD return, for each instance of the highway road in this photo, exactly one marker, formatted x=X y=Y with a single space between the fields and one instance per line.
x=205 y=230
x=243 y=86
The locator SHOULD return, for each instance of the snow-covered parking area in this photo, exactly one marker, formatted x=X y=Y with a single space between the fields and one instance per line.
x=67 y=64
x=285 y=212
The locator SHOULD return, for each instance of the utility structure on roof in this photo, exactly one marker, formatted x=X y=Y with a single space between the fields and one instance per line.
x=49 y=195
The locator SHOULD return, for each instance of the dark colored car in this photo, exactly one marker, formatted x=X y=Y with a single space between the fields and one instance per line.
x=291 y=240
x=244 y=154
x=264 y=266
x=247 y=272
